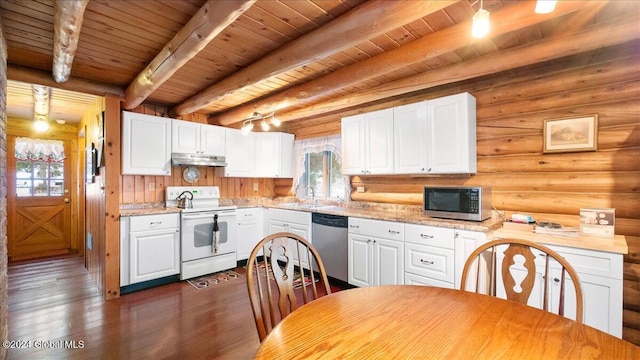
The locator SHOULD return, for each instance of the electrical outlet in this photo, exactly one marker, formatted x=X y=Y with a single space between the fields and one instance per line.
x=256 y=186
x=360 y=189
x=152 y=186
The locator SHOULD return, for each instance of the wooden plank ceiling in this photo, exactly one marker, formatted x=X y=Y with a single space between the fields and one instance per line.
x=302 y=59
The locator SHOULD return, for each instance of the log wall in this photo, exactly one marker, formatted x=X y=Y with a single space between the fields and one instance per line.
x=511 y=109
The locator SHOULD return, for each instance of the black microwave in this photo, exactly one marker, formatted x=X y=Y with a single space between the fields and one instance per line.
x=461 y=203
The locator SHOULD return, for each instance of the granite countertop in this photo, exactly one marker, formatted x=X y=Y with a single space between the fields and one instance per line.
x=388 y=212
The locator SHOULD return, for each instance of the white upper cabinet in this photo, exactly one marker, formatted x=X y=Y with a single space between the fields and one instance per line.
x=409 y=138
x=240 y=154
x=274 y=155
x=367 y=143
x=146 y=144
x=429 y=137
x=264 y=155
x=196 y=138
x=451 y=134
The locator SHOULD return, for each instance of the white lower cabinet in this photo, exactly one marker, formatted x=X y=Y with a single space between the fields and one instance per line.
x=375 y=252
x=250 y=231
x=150 y=247
x=600 y=276
x=296 y=222
x=429 y=255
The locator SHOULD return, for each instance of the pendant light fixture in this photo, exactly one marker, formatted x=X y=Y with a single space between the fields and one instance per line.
x=545 y=6
x=265 y=122
x=480 y=27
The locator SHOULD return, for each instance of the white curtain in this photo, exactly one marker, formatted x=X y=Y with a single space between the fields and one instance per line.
x=309 y=146
x=39 y=150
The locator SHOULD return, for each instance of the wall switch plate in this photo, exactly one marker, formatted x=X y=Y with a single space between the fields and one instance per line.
x=152 y=186
x=256 y=186
x=360 y=189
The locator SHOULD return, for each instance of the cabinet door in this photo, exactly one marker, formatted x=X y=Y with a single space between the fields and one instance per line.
x=388 y=262
x=146 y=144
x=465 y=243
x=410 y=138
x=451 y=128
x=360 y=260
x=267 y=155
x=353 y=145
x=286 y=155
x=154 y=254
x=276 y=226
x=250 y=231
x=379 y=142
x=601 y=301
x=240 y=153
x=185 y=137
x=212 y=140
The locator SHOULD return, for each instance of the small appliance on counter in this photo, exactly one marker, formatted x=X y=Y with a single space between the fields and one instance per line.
x=459 y=203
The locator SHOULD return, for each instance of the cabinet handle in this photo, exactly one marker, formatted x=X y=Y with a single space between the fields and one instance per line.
x=426 y=262
x=556 y=279
x=369 y=240
x=425 y=236
x=394 y=232
x=354 y=226
x=153 y=223
x=248 y=215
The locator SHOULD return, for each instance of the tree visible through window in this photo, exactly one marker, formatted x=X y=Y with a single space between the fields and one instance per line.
x=322 y=177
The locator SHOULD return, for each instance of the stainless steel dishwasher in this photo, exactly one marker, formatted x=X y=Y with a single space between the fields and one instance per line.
x=329 y=237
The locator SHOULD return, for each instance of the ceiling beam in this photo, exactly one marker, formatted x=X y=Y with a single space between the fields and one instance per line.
x=31 y=76
x=368 y=20
x=204 y=26
x=503 y=21
x=555 y=47
x=67 y=21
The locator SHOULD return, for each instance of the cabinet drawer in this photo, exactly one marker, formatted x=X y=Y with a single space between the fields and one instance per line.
x=377 y=228
x=598 y=263
x=290 y=216
x=429 y=235
x=154 y=222
x=411 y=279
x=429 y=261
x=248 y=214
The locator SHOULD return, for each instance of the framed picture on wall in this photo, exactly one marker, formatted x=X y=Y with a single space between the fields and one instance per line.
x=100 y=147
x=571 y=134
x=90 y=164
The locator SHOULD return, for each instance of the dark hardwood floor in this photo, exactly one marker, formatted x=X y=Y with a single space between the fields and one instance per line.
x=52 y=301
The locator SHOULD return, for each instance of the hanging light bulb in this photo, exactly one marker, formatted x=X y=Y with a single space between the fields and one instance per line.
x=545 y=6
x=480 y=26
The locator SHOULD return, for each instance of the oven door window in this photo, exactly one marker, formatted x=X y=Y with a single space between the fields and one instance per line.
x=203 y=234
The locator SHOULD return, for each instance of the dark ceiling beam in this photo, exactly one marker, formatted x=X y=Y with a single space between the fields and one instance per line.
x=505 y=20
x=204 y=26
x=67 y=22
x=368 y=20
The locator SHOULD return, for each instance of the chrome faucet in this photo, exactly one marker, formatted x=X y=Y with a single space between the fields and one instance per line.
x=313 y=194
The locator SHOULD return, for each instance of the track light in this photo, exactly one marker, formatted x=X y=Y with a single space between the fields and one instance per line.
x=265 y=122
x=480 y=26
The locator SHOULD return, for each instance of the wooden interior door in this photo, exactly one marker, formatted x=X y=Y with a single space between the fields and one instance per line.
x=39 y=212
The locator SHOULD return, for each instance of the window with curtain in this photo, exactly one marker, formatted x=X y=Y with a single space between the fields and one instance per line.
x=317 y=168
x=39 y=167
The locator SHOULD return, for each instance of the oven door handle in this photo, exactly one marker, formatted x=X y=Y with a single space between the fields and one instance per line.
x=200 y=216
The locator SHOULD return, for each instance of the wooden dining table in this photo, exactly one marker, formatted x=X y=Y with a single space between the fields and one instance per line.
x=423 y=322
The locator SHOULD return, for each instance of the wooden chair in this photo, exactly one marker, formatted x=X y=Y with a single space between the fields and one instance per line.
x=518 y=273
x=273 y=278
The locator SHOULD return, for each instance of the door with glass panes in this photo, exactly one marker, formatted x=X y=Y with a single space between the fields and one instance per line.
x=38 y=209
